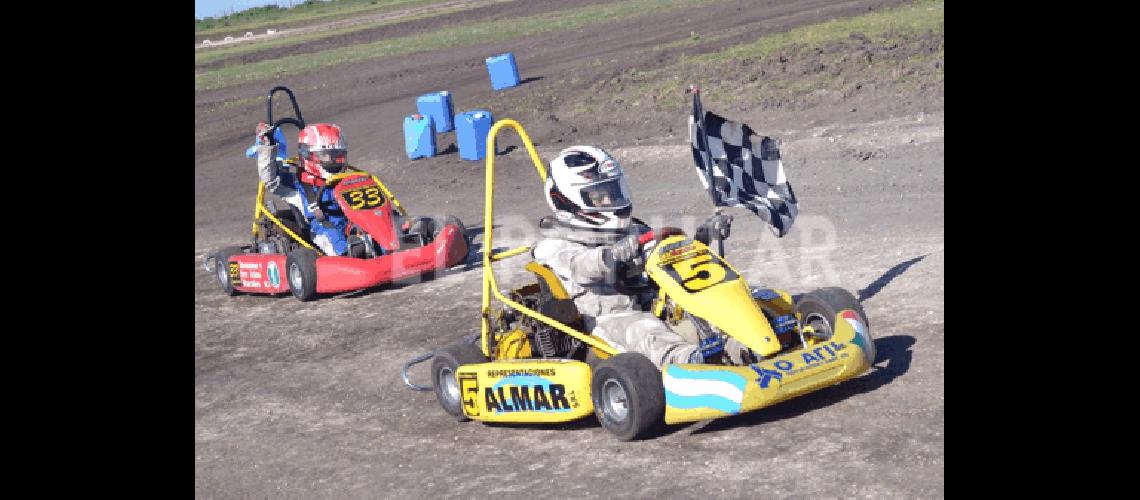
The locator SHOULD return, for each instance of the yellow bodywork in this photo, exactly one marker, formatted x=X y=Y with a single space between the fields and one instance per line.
x=259 y=209
x=708 y=287
x=553 y=390
x=698 y=392
x=778 y=306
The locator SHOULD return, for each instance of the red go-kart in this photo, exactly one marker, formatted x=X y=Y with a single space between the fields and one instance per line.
x=384 y=243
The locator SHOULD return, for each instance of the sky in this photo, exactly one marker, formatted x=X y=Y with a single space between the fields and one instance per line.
x=217 y=8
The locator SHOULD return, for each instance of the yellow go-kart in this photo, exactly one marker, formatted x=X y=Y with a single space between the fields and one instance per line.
x=532 y=363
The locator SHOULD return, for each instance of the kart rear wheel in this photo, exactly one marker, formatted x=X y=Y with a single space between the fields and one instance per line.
x=444 y=364
x=820 y=307
x=629 y=399
x=301 y=269
x=222 y=269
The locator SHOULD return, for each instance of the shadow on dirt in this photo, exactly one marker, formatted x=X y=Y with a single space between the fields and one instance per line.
x=530 y=79
x=589 y=422
x=891 y=274
x=506 y=151
x=894 y=350
x=585 y=423
x=449 y=150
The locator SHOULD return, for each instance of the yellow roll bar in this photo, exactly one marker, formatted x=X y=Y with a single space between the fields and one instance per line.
x=490 y=285
x=259 y=209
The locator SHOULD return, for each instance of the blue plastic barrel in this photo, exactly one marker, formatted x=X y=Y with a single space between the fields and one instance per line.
x=419 y=136
x=471 y=133
x=503 y=71
x=437 y=105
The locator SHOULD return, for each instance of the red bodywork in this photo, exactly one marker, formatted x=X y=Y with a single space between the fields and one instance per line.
x=370 y=211
x=258 y=272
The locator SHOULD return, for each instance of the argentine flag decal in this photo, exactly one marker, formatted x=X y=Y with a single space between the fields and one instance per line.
x=717 y=389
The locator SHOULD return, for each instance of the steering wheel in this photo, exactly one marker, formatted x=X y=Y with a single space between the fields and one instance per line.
x=660 y=234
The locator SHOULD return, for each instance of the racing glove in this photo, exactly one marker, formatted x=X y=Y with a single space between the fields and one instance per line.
x=261 y=133
x=625 y=250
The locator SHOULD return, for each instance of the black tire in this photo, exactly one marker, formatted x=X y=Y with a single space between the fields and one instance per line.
x=629 y=399
x=444 y=365
x=819 y=308
x=301 y=272
x=222 y=268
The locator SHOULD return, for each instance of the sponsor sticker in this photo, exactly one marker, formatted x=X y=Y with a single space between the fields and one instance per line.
x=528 y=393
x=717 y=389
x=273 y=273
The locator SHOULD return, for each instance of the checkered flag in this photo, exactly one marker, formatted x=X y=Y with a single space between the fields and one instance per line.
x=722 y=149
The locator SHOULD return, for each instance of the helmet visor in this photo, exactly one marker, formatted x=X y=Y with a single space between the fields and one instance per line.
x=332 y=160
x=608 y=194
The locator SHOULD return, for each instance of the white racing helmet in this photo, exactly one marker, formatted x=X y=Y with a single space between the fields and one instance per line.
x=586 y=188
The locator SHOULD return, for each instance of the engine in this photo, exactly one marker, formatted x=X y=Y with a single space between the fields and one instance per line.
x=549 y=341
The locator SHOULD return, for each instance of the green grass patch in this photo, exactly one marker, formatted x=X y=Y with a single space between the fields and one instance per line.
x=203 y=56
x=921 y=16
x=661 y=88
x=274 y=16
x=490 y=31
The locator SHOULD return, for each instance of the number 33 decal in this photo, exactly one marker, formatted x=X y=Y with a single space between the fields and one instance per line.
x=700 y=272
x=368 y=197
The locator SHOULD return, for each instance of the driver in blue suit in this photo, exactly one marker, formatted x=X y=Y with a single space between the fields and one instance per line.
x=324 y=153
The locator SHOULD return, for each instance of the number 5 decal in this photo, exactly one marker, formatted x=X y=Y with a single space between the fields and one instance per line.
x=700 y=272
x=469 y=390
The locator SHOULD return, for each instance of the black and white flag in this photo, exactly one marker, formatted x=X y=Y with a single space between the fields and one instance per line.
x=723 y=152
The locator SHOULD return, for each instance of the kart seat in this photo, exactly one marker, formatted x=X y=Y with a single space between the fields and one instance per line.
x=547 y=280
x=555 y=304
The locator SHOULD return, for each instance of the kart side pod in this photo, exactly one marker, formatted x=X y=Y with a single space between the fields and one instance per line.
x=553 y=390
x=698 y=392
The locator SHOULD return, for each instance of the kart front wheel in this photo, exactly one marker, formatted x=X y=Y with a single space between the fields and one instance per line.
x=301 y=268
x=629 y=399
x=222 y=268
x=820 y=307
x=444 y=365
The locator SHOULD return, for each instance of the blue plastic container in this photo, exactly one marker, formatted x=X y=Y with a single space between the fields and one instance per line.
x=503 y=71
x=471 y=133
x=419 y=136
x=437 y=105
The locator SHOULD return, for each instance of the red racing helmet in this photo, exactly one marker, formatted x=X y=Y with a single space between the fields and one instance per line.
x=323 y=150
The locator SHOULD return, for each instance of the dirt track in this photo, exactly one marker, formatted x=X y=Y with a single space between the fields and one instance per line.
x=305 y=400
